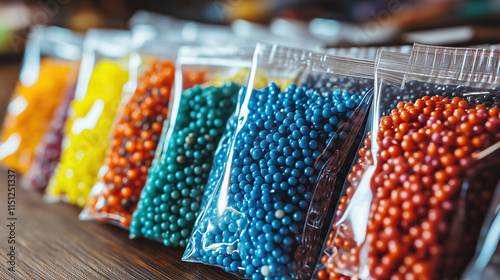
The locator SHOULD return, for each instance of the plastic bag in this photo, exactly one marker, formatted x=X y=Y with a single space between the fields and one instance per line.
x=103 y=74
x=266 y=168
x=171 y=198
x=50 y=67
x=366 y=52
x=136 y=132
x=405 y=198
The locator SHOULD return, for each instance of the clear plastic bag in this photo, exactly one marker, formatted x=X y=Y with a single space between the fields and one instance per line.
x=103 y=74
x=202 y=105
x=367 y=52
x=49 y=72
x=407 y=209
x=258 y=220
x=136 y=132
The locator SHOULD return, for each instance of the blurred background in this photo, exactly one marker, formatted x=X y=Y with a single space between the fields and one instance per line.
x=332 y=23
x=335 y=22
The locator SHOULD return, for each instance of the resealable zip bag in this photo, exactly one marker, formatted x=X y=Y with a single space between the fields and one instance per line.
x=207 y=83
x=405 y=199
x=367 y=52
x=103 y=75
x=49 y=71
x=284 y=144
x=136 y=131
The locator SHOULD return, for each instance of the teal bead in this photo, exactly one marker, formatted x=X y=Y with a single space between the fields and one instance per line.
x=181 y=222
x=173 y=227
x=175 y=194
x=177 y=180
x=190 y=216
x=183 y=211
x=185 y=233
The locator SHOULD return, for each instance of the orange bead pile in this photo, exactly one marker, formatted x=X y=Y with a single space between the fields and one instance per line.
x=425 y=149
x=135 y=138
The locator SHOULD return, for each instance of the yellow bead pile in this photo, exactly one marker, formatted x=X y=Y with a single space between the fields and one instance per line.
x=87 y=130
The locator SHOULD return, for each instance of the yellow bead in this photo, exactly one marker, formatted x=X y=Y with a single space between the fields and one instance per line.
x=87 y=130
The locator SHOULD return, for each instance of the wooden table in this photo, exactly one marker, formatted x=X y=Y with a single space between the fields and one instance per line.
x=51 y=243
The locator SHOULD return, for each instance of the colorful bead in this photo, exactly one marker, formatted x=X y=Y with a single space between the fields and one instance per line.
x=133 y=146
x=425 y=149
x=271 y=174
x=87 y=130
x=48 y=151
x=30 y=112
x=171 y=199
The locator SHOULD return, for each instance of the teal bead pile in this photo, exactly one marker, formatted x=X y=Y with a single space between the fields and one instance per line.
x=172 y=196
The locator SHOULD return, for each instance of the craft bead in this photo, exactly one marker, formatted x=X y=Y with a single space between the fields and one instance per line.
x=86 y=141
x=31 y=110
x=48 y=151
x=199 y=123
x=127 y=161
x=415 y=191
x=271 y=167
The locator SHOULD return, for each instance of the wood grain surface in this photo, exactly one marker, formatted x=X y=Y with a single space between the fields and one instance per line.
x=51 y=243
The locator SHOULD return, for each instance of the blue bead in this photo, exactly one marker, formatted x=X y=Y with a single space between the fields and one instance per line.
x=341 y=108
x=259 y=253
x=298 y=216
x=269 y=246
x=276 y=224
x=227 y=261
x=308 y=171
x=288 y=241
x=278 y=238
x=250 y=269
x=309 y=161
x=288 y=208
x=286 y=220
x=267 y=228
x=278 y=177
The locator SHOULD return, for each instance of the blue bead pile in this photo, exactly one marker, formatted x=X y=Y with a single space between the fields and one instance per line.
x=253 y=225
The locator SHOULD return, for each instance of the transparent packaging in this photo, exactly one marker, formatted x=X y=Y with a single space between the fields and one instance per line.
x=367 y=52
x=49 y=71
x=408 y=208
x=207 y=83
x=103 y=75
x=281 y=151
x=136 y=131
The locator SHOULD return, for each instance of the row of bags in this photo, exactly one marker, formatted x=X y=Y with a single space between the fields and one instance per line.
x=261 y=160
